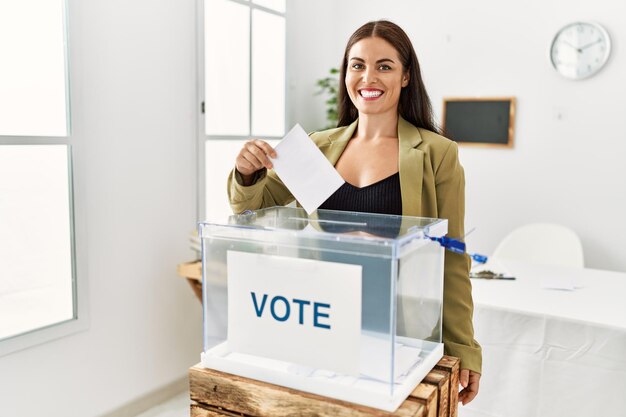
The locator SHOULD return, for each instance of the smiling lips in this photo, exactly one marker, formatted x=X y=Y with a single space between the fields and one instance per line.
x=370 y=93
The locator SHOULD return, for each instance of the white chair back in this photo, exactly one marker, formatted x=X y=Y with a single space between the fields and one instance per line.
x=543 y=243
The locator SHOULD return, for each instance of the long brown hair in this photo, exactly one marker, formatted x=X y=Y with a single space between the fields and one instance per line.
x=414 y=105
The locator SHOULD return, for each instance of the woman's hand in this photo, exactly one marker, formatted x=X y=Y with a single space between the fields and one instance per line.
x=470 y=382
x=253 y=156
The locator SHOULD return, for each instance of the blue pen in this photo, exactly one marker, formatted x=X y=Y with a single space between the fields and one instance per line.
x=457 y=246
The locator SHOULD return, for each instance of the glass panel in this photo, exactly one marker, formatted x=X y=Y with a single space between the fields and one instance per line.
x=268 y=74
x=33 y=82
x=36 y=279
x=227 y=68
x=278 y=5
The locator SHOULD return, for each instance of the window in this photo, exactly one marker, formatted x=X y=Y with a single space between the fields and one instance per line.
x=36 y=277
x=37 y=263
x=242 y=88
x=33 y=78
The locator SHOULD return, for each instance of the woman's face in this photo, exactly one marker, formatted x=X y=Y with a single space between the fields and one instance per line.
x=375 y=77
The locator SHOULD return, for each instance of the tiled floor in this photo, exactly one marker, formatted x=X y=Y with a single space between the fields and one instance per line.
x=177 y=406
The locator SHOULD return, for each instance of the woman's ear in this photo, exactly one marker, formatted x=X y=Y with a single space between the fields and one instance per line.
x=405 y=79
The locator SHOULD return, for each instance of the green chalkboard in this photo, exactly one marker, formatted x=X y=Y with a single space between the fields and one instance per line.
x=487 y=121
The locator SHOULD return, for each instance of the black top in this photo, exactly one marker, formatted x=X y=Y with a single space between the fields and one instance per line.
x=383 y=197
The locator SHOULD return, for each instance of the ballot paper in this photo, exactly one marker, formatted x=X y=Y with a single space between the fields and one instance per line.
x=375 y=360
x=558 y=277
x=304 y=169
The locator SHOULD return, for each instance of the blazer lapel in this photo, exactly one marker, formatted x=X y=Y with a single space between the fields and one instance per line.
x=411 y=167
x=337 y=142
x=410 y=161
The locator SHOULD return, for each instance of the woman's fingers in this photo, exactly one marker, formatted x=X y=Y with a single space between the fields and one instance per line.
x=254 y=156
x=266 y=148
x=253 y=148
x=464 y=377
x=246 y=164
x=473 y=382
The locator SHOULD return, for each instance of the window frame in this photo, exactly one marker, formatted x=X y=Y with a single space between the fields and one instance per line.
x=80 y=294
x=200 y=95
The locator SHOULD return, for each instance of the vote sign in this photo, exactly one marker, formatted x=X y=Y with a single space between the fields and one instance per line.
x=296 y=310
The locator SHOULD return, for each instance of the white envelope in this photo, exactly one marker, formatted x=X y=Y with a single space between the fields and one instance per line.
x=304 y=169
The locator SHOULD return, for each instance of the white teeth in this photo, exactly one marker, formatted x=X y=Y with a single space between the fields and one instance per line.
x=368 y=94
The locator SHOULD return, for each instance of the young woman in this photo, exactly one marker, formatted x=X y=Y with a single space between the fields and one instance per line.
x=387 y=149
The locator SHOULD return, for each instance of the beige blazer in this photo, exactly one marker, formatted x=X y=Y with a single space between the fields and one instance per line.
x=432 y=183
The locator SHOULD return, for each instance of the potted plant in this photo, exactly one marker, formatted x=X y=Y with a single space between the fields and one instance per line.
x=330 y=87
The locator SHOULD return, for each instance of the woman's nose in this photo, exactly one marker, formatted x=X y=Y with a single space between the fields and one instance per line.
x=369 y=76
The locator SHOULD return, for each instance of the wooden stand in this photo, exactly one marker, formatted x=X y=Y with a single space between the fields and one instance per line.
x=217 y=393
x=192 y=271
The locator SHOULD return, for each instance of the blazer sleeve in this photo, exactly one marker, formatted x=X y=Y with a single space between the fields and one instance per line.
x=458 y=306
x=266 y=191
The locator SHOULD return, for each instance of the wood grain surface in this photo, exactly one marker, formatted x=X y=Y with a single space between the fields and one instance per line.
x=441 y=380
x=249 y=397
x=451 y=365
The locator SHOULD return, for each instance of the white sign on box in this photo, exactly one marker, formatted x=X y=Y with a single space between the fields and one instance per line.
x=296 y=310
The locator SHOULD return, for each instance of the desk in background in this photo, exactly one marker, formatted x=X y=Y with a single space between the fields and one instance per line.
x=551 y=353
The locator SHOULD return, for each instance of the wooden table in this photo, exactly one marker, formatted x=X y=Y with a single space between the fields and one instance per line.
x=215 y=393
x=192 y=271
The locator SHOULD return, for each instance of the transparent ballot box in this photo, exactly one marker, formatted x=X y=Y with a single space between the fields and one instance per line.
x=341 y=304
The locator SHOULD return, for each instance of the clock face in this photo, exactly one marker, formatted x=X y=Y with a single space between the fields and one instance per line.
x=580 y=49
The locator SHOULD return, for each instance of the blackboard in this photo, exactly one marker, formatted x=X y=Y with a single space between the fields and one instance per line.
x=487 y=121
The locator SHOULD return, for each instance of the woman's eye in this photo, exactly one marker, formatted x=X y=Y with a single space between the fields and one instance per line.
x=385 y=67
x=357 y=66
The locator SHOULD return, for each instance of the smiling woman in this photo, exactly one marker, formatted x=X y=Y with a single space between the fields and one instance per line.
x=374 y=84
x=388 y=150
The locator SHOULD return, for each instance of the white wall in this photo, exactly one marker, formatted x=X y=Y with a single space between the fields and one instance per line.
x=312 y=49
x=567 y=163
x=132 y=91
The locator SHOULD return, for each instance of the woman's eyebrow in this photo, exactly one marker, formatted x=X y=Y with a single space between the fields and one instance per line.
x=356 y=58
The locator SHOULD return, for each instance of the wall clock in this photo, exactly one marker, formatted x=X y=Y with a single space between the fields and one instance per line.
x=580 y=49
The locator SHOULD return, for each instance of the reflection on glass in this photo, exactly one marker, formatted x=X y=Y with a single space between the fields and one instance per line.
x=227 y=68
x=277 y=5
x=33 y=82
x=36 y=274
x=268 y=74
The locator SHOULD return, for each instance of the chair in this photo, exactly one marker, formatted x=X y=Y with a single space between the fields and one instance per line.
x=543 y=243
